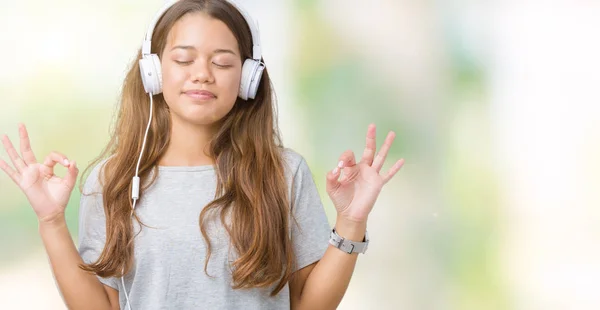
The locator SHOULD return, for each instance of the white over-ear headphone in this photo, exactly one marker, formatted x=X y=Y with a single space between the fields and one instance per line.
x=252 y=69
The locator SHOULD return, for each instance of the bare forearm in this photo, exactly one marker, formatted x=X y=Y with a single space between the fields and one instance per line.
x=80 y=289
x=327 y=283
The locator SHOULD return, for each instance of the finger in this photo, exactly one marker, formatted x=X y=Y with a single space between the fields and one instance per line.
x=16 y=177
x=346 y=162
x=71 y=176
x=51 y=160
x=395 y=168
x=16 y=160
x=347 y=159
x=332 y=183
x=371 y=146
x=26 y=150
x=347 y=165
x=382 y=154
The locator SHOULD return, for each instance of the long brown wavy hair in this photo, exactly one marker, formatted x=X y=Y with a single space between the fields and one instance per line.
x=249 y=165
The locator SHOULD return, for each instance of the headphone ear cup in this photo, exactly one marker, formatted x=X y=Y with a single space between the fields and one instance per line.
x=151 y=74
x=158 y=70
x=251 y=75
x=253 y=89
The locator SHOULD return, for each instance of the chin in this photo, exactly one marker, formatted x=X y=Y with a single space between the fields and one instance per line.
x=201 y=119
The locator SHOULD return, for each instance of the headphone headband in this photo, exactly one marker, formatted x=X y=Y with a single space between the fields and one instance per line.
x=256 y=50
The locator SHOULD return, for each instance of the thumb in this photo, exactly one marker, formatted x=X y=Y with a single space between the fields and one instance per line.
x=71 y=176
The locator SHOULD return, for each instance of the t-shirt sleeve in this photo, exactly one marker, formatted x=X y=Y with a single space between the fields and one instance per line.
x=92 y=224
x=309 y=225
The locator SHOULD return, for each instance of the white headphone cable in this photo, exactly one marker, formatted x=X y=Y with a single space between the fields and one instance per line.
x=135 y=189
x=125 y=290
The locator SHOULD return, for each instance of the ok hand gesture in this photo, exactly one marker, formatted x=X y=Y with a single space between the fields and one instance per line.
x=356 y=192
x=47 y=193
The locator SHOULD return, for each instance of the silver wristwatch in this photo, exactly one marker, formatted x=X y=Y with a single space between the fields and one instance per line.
x=347 y=245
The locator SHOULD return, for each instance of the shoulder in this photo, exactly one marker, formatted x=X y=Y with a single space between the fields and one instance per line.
x=293 y=160
x=93 y=182
x=297 y=172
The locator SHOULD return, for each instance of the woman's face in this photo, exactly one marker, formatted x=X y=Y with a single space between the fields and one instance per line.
x=201 y=68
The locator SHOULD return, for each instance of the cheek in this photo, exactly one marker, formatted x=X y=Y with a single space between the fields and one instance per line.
x=172 y=76
x=173 y=80
x=231 y=83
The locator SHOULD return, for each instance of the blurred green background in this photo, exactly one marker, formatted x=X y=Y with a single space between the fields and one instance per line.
x=495 y=107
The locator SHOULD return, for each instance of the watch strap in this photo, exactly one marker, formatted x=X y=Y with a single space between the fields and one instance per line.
x=346 y=245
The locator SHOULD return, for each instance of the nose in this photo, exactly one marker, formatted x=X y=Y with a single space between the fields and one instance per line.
x=202 y=72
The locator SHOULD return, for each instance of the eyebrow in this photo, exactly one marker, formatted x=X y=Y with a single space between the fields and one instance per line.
x=217 y=51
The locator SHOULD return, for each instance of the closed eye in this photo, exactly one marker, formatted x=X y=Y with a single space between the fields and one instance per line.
x=221 y=66
x=183 y=62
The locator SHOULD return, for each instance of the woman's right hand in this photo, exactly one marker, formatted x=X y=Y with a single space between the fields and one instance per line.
x=47 y=193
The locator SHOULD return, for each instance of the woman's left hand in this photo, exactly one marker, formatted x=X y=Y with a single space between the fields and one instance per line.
x=355 y=193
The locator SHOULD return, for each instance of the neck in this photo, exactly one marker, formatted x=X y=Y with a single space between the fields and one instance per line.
x=188 y=145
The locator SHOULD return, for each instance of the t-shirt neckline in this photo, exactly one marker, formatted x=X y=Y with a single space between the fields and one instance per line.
x=186 y=168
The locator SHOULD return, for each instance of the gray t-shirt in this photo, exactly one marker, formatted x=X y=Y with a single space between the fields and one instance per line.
x=168 y=272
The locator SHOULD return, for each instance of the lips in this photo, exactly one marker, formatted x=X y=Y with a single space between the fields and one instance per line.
x=200 y=94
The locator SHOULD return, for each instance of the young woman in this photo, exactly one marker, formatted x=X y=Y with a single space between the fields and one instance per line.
x=218 y=215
